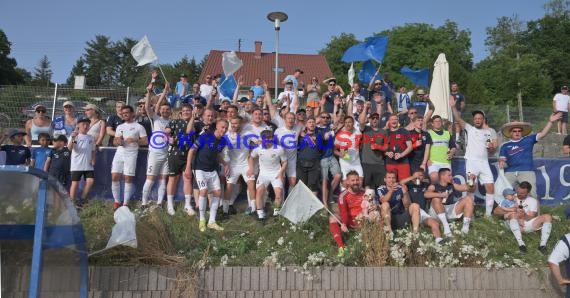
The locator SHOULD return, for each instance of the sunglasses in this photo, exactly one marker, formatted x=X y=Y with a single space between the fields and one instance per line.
x=41 y=111
x=325 y=117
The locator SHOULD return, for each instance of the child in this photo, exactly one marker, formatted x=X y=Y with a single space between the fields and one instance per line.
x=16 y=154
x=508 y=205
x=367 y=202
x=82 y=147
x=39 y=155
x=59 y=161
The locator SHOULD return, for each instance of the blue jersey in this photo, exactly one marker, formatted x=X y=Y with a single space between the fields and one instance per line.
x=257 y=91
x=396 y=204
x=519 y=154
x=40 y=156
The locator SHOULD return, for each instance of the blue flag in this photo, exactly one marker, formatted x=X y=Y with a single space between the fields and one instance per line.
x=374 y=48
x=419 y=77
x=367 y=72
x=228 y=86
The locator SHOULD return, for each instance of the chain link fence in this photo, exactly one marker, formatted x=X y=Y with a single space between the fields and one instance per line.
x=17 y=102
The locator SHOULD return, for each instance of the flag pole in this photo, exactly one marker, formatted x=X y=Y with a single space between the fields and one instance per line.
x=162 y=72
x=334 y=216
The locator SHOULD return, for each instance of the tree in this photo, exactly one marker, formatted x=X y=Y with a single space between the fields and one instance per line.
x=100 y=62
x=333 y=52
x=557 y=8
x=43 y=73
x=506 y=35
x=9 y=73
x=126 y=70
x=78 y=69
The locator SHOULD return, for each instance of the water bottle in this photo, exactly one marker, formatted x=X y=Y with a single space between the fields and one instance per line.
x=418 y=182
x=445 y=199
x=470 y=181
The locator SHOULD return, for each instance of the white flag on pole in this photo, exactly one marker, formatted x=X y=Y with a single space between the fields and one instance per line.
x=301 y=204
x=231 y=63
x=142 y=52
x=351 y=74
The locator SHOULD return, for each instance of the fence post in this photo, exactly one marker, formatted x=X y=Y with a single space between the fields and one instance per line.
x=54 y=100
x=128 y=91
x=508 y=114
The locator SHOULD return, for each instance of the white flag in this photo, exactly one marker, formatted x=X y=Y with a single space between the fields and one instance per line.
x=142 y=52
x=301 y=204
x=351 y=74
x=231 y=63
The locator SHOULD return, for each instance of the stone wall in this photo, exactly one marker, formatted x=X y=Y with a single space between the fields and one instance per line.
x=343 y=282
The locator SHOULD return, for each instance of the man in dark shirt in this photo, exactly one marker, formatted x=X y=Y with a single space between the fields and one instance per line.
x=113 y=121
x=399 y=146
x=372 y=150
x=16 y=154
x=203 y=161
x=327 y=100
x=421 y=144
x=310 y=144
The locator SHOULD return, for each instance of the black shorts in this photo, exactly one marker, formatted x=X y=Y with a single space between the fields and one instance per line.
x=310 y=173
x=373 y=175
x=564 y=118
x=401 y=221
x=76 y=175
x=176 y=164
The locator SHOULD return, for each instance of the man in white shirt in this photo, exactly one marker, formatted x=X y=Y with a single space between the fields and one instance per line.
x=236 y=155
x=560 y=103
x=290 y=96
x=287 y=136
x=157 y=162
x=272 y=166
x=527 y=219
x=207 y=87
x=479 y=144
x=128 y=137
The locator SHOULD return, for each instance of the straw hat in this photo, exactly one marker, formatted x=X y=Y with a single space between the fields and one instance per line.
x=525 y=126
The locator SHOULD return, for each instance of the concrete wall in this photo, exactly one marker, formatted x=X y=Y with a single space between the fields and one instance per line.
x=342 y=282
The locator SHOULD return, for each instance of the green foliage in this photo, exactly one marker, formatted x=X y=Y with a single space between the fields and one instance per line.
x=278 y=243
x=333 y=52
x=9 y=73
x=43 y=73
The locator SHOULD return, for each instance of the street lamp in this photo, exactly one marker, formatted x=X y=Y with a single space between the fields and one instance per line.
x=277 y=17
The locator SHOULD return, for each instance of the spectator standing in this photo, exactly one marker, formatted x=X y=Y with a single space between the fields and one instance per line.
x=128 y=137
x=113 y=121
x=441 y=150
x=97 y=126
x=40 y=154
x=58 y=161
x=16 y=153
x=38 y=124
x=308 y=159
x=560 y=103
x=65 y=124
x=516 y=155
x=82 y=147
x=313 y=94
x=294 y=78
x=479 y=144
x=206 y=87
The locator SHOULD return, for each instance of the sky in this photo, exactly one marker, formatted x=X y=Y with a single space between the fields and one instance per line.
x=60 y=29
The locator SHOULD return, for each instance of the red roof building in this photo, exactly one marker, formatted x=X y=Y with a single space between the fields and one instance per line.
x=260 y=65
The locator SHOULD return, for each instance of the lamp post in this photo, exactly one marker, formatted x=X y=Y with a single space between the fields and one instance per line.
x=277 y=17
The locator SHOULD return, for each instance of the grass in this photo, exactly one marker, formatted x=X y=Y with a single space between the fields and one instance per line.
x=168 y=240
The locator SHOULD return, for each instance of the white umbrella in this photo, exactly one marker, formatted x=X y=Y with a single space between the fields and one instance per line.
x=439 y=90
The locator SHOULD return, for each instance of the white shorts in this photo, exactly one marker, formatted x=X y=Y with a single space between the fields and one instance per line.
x=450 y=212
x=423 y=216
x=357 y=168
x=480 y=169
x=125 y=164
x=157 y=164
x=207 y=180
x=265 y=180
x=291 y=170
x=436 y=166
x=528 y=226
x=236 y=172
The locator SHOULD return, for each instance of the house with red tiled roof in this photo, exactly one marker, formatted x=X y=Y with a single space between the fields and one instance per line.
x=261 y=65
